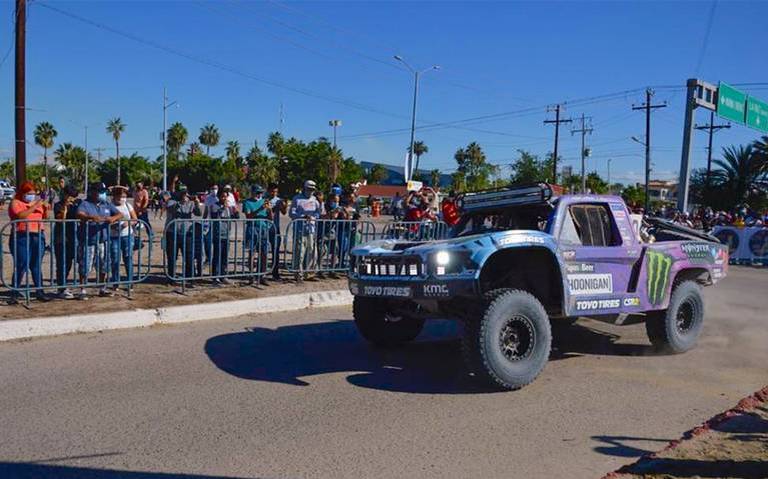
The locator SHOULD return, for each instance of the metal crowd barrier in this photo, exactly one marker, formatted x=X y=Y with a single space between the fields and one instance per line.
x=416 y=230
x=64 y=254
x=218 y=249
x=323 y=245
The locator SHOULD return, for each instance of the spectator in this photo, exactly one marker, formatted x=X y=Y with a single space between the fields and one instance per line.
x=121 y=237
x=231 y=200
x=211 y=199
x=65 y=238
x=450 y=212
x=141 y=204
x=278 y=207
x=257 y=232
x=397 y=207
x=180 y=234
x=223 y=213
x=96 y=214
x=28 y=238
x=306 y=209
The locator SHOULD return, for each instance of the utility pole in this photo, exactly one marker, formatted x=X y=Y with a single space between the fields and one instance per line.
x=647 y=106
x=85 y=180
x=583 y=130
x=166 y=105
x=557 y=122
x=333 y=166
x=712 y=128
x=609 y=175
x=20 y=113
x=334 y=124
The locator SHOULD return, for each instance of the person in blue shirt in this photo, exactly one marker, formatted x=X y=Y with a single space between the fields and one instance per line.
x=96 y=214
x=259 y=213
x=279 y=207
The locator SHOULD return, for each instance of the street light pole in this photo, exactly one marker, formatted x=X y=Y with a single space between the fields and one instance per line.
x=609 y=176
x=85 y=180
x=416 y=74
x=334 y=124
x=166 y=105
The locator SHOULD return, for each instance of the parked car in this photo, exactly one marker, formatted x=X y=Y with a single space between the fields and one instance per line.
x=7 y=191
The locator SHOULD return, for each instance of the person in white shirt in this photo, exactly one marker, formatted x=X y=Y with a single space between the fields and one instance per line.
x=121 y=237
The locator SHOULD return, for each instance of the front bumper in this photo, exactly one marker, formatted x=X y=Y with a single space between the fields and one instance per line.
x=412 y=289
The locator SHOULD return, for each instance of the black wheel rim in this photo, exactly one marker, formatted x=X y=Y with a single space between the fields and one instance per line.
x=516 y=338
x=686 y=315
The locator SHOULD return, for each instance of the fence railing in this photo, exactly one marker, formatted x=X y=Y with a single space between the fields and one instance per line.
x=63 y=254
x=416 y=230
x=56 y=255
x=218 y=249
x=323 y=245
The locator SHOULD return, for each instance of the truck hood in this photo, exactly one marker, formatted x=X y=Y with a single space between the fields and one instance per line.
x=473 y=242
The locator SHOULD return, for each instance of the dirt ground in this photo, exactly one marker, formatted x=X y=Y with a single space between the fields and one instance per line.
x=733 y=445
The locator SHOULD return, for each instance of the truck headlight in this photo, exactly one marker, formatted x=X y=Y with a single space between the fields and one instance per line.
x=442 y=258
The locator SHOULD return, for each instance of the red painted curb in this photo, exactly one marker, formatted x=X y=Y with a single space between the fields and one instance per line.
x=750 y=402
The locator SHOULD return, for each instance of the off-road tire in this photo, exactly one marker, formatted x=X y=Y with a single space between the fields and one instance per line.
x=677 y=328
x=483 y=341
x=374 y=322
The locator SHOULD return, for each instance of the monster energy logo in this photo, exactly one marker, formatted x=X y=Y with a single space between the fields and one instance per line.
x=659 y=265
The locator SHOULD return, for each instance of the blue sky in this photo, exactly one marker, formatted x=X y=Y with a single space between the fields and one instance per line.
x=235 y=63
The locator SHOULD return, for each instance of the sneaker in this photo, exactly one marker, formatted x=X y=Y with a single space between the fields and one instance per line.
x=82 y=295
x=104 y=293
x=225 y=281
x=312 y=277
x=42 y=297
x=263 y=281
x=190 y=285
x=13 y=300
x=66 y=294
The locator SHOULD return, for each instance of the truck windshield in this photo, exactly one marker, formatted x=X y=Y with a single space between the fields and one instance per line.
x=522 y=218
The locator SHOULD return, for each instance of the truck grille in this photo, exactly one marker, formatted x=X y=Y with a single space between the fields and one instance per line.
x=389 y=266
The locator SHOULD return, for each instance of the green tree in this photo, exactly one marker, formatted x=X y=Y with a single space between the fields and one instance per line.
x=473 y=164
x=209 y=136
x=193 y=149
x=419 y=148
x=458 y=182
x=596 y=184
x=44 y=136
x=176 y=138
x=742 y=176
x=262 y=169
x=434 y=178
x=377 y=174
x=634 y=195
x=233 y=152
x=72 y=159
x=115 y=127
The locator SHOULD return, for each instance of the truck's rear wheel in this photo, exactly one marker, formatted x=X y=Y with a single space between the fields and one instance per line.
x=677 y=328
x=382 y=324
x=509 y=344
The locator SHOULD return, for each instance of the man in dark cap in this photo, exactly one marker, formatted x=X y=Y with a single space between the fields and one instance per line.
x=96 y=214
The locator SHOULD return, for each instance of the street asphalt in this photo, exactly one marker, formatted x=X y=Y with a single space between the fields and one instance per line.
x=301 y=395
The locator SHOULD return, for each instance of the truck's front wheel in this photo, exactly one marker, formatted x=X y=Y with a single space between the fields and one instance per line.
x=382 y=323
x=509 y=344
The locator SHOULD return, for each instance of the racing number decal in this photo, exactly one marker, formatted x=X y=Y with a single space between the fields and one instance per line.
x=659 y=265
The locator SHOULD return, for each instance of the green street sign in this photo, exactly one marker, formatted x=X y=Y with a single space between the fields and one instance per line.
x=731 y=103
x=757 y=114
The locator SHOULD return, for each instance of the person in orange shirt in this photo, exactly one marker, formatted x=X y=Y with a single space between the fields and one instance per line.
x=28 y=241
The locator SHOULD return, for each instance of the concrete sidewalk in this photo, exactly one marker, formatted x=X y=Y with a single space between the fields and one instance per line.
x=28 y=328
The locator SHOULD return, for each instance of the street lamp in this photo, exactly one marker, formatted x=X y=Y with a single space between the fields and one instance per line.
x=334 y=124
x=416 y=73
x=166 y=105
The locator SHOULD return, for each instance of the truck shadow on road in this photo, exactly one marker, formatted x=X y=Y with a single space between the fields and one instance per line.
x=430 y=365
x=25 y=470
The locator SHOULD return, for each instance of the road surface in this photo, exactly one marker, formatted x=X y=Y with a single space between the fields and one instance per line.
x=300 y=395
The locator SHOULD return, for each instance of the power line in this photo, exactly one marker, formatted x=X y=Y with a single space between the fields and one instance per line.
x=584 y=130
x=556 y=122
x=648 y=107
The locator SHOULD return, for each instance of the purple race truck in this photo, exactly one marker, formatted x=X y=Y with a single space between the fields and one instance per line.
x=522 y=262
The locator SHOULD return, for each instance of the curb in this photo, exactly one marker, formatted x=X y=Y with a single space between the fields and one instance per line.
x=16 y=329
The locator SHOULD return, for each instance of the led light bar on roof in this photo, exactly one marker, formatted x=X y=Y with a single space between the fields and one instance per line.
x=504 y=197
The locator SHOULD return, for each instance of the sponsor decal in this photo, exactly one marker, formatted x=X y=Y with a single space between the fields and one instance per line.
x=717 y=273
x=658 y=266
x=619 y=214
x=569 y=255
x=397 y=291
x=722 y=257
x=580 y=268
x=521 y=239
x=617 y=206
x=700 y=252
x=590 y=304
x=633 y=301
x=589 y=284
x=435 y=290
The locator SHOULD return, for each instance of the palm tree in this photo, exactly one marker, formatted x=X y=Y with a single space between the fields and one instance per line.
x=334 y=164
x=434 y=177
x=419 y=148
x=209 y=136
x=44 y=134
x=263 y=169
x=176 y=138
x=194 y=149
x=233 y=152
x=743 y=172
x=116 y=127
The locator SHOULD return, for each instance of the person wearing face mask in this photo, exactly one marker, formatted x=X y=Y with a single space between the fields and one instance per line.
x=210 y=200
x=121 y=237
x=179 y=234
x=306 y=209
x=28 y=239
x=96 y=214
x=65 y=238
x=220 y=229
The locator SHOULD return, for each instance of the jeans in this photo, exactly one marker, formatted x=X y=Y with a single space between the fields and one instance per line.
x=145 y=218
x=93 y=256
x=175 y=242
x=220 y=255
x=121 y=246
x=65 y=258
x=28 y=252
x=275 y=240
x=305 y=252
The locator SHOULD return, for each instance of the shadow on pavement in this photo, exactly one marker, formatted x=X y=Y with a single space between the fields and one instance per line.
x=617 y=445
x=23 y=470
x=431 y=365
x=578 y=340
